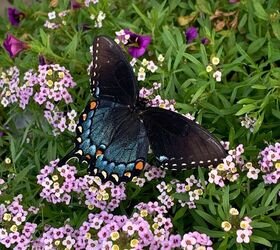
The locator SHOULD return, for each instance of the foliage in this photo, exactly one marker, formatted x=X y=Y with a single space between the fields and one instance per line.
x=226 y=76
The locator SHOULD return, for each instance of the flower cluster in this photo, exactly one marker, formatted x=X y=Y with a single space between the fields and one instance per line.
x=15 y=231
x=150 y=173
x=48 y=86
x=154 y=99
x=242 y=227
x=228 y=169
x=269 y=161
x=56 y=20
x=217 y=75
x=9 y=85
x=99 y=19
x=60 y=185
x=191 y=190
x=88 y=2
x=196 y=241
x=57 y=182
x=55 y=238
x=147 y=227
x=105 y=196
x=248 y=122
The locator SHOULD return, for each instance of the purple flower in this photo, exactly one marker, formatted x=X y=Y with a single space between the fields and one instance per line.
x=14 y=45
x=137 y=44
x=1 y=133
x=205 y=40
x=191 y=34
x=15 y=16
x=75 y=4
x=233 y=1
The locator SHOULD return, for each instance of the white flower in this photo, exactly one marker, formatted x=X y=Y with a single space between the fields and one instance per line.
x=4 y=102
x=141 y=76
x=209 y=68
x=152 y=67
x=253 y=173
x=92 y=16
x=52 y=15
x=68 y=242
x=233 y=211
x=133 y=61
x=145 y=62
x=160 y=58
x=217 y=75
x=101 y=16
x=215 y=60
x=193 y=196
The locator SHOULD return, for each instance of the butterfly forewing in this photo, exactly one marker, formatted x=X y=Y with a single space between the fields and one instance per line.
x=112 y=76
x=180 y=143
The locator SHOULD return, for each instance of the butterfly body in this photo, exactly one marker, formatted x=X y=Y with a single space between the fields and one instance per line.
x=116 y=128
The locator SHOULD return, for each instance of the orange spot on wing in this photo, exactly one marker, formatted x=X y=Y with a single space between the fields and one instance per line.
x=99 y=152
x=92 y=105
x=88 y=156
x=139 y=165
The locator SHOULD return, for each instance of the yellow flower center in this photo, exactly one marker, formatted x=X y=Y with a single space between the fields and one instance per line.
x=115 y=235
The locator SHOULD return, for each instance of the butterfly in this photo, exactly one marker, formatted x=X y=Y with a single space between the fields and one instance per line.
x=116 y=127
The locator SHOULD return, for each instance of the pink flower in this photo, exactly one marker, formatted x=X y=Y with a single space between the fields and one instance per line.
x=243 y=236
x=14 y=45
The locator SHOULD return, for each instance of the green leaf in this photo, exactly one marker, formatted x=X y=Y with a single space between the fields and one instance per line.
x=260 y=240
x=72 y=46
x=143 y=17
x=259 y=211
x=211 y=233
x=204 y=6
x=199 y=93
x=258 y=86
x=276 y=113
x=256 y=224
x=256 y=45
x=179 y=56
x=255 y=195
x=276 y=29
x=259 y=10
x=272 y=194
x=246 y=109
x=180 y=213
x=21 y=175
x=258 y=123
x=207 y=217
x=44 y=38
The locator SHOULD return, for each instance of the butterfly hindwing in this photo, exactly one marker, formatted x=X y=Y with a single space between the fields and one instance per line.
x=112 y=77
x=111 y=140
x=179 y=142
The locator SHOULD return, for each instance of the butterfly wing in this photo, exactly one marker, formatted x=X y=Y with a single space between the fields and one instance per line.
x=111 y=140
x=112 y=77
x=179 y=142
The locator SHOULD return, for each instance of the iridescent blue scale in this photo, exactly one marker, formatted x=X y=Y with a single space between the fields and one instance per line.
x=109 y=167
x=92 y=150
x=86 y=125
x=119 y=169
x=130 y=166
x=90 y=114
x=85 y=145
x=85 y=134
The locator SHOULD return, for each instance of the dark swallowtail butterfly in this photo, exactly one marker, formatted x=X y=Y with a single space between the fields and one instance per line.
x=115 y=129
